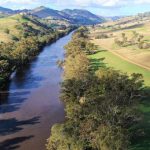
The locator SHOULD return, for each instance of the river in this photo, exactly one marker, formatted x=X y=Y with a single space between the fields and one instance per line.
x=31 y=104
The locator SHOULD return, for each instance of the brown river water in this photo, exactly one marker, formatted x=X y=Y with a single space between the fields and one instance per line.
x=31 y=104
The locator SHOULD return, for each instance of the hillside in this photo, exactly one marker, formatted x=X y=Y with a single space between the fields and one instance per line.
x=6 y=10
x=18 y=26
x=2 y=15
x=21 y=39
x=44 y=12
x=128 y=39
x=76 y=16
x=80 y=16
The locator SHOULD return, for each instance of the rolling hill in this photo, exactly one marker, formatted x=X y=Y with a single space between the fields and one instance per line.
x=6 y=10
x=76 y=16
x=80 y=16
x=44 y=12
x=18 y=26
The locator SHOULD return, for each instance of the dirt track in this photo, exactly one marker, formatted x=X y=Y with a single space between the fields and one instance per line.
x=115 y=52
x=131 y=61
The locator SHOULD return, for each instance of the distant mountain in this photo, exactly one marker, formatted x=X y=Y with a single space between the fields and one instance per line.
x=5 y=10
x=11 y=12
x=114 y=18
x=44 y=12
x=80 y=16
x=75 y=16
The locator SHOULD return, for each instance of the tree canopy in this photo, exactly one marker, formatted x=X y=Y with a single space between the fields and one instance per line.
x=101 y=106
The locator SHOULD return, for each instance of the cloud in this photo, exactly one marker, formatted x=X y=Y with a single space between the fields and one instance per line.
x=24 y=2
x=17 y=1
x=94 y=3
x=76 y=3
x=142 y=1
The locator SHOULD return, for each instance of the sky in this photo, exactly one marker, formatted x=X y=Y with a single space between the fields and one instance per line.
x=99 y=7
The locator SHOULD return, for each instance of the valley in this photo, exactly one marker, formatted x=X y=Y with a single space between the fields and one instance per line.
x=71 y=79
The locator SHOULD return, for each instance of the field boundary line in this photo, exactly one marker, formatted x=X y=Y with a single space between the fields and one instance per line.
x=127 y=59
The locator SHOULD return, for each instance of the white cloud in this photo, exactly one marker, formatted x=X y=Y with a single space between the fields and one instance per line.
x=99 y=3
x=85 y=3
x=142 y=1
x=28 y=2
x=18 y=1
x=77 y=3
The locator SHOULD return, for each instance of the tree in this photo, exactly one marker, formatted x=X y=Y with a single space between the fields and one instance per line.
x=134 y=38
x=124 y=39
x=14 y=38
x=7 y=31
x=140 y=38
x=100 y=111
x=76 y=67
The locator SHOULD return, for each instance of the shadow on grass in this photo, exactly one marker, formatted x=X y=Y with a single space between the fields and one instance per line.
x=142 y=141
x=97 y=63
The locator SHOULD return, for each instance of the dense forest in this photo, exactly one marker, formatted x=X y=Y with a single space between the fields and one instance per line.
x=100 y=103
x=22 y=49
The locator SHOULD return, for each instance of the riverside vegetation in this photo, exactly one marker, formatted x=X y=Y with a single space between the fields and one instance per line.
x=31 y=36
x=101 y=104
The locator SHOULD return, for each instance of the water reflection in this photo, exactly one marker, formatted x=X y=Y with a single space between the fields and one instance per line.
x=12 y=101
x=12 y=125
x=14 y=143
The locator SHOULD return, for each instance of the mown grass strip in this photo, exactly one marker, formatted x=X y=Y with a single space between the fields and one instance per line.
x=110 y=60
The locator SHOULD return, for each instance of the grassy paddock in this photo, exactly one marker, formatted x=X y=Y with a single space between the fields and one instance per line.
x=111 y=60
x=132 y=52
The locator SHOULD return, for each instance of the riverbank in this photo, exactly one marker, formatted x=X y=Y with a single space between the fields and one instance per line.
x=31 y=105
x=27 y=53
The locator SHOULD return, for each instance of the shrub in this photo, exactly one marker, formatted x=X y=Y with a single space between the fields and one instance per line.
x=143 y=45
x=25 y=34
x=102 y=36
x=146 y=45
x=118 y=42
x=7 y=31
x=14 y=38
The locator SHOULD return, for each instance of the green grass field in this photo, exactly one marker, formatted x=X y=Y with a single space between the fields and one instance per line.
x=106 y=58
x=110 y=60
